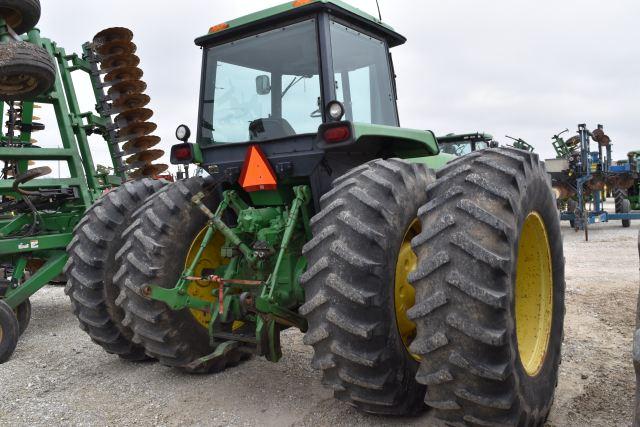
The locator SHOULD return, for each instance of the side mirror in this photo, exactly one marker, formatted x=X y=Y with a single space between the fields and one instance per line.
x=263 y=85
x=494 y=144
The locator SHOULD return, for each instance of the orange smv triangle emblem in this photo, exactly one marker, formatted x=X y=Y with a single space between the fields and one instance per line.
x=257 y=173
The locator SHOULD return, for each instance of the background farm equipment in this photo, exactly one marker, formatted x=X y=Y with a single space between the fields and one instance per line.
x=580 y=177
x=633 y=192
x=317 y=211
x=38 y=213
x=462 y=144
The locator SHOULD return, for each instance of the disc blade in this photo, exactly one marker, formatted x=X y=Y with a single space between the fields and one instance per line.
x=147 y=156
x=136 y=130
x=127 y=88
x=133 y=116
x=140 y=144
x=129 y=102
x=117 y=47
x=116 y=61
x=123 y=74
x=150 y=170
x=112 y=34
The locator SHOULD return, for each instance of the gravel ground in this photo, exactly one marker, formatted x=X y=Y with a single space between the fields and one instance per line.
x=58 y=377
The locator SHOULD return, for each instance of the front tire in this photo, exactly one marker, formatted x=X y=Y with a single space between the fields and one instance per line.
x=490 y=291
x=356 y=289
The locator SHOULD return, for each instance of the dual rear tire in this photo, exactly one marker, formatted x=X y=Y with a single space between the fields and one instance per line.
x=90 y=268
x=489 y=283
x=355 y=283
x=490 y=291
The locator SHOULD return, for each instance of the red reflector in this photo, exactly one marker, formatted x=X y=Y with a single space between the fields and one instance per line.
x=182 y=153
x=337 y=134
x=257 y=173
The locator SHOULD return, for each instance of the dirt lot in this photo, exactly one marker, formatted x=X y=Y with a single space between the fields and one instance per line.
x=57 y=376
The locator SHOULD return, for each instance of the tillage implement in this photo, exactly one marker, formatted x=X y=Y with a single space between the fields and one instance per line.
x=420 y=279
x=38 y=213
x=581 y=177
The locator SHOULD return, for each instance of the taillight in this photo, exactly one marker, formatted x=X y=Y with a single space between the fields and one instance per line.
x=182 y=153
x=337 y=134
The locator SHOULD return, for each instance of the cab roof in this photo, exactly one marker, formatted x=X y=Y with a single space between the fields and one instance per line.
x=273 y=16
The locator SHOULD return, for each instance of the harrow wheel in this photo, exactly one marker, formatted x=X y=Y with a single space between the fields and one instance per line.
x=158 y=244
x=91 y=267
x=23 y=314
x=357 y=293
x=26 y=71
x=20 y=15
x=9 y=332
x=490 y=291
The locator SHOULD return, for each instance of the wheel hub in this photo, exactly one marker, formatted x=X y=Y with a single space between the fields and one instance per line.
x=211 y=259
x=12 y=17
x=405 y=294
x=17 y=84
x=533 y=294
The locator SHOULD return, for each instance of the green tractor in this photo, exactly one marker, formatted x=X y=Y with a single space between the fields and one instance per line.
x=420 y=279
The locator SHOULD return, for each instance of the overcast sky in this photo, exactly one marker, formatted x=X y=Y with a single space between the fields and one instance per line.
x=523 y=68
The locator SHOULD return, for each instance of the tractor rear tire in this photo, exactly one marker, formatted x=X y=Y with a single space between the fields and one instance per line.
x=91 y=267
x=623 y=205
x=490 y=249
x=350 y=286
x=26 y=71
x=157 y=243
x=23 y=314
x=9 y=332
x=20 y=15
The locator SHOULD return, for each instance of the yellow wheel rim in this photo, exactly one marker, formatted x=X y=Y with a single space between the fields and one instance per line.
x=210 y=260
x=405 y=294
x=533 y=294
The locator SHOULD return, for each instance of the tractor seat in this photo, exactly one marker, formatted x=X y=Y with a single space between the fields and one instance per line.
x=270 y=128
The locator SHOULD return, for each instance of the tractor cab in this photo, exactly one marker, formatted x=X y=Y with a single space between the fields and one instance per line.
x=261 y=85
x=304 y=80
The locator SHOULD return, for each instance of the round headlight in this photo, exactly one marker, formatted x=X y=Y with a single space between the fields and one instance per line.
x=335 y=110
x=183 y=133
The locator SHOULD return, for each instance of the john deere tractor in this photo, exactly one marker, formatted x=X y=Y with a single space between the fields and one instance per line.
x=420 y=279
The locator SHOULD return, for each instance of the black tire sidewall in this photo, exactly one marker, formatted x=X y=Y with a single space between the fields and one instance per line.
x=538 y=389
x=29 y=10
x=23 y=314
x=27 y=58
x=10 y=332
